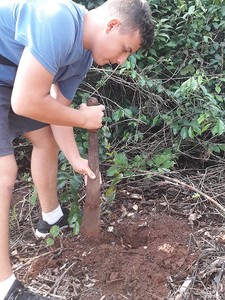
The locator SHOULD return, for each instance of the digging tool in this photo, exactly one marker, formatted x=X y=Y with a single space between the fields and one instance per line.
x=91 y=218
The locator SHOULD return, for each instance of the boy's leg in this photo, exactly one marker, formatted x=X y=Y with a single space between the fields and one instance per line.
x=44 y=166
x=10 y=127
x=8 y=170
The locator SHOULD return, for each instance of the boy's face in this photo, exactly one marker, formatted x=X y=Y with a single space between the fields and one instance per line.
x=112 y=47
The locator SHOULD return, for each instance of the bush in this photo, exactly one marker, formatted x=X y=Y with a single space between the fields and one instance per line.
x=162 y=104
x=167 y=99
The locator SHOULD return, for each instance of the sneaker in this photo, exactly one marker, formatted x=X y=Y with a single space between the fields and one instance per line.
x=19 y=292
x=43 y=228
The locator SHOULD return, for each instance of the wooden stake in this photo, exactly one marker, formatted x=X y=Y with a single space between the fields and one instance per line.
x=91 y=220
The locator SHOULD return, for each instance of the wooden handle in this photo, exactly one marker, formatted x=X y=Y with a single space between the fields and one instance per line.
x=92 y=101
x=93 y=159
x=91 y=221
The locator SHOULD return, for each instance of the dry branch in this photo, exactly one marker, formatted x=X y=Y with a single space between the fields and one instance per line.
x=187 y=186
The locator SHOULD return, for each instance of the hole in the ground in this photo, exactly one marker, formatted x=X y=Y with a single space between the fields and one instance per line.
x=129 y=236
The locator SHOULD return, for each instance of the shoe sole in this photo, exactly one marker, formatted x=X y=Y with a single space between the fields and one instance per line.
x=41 y=235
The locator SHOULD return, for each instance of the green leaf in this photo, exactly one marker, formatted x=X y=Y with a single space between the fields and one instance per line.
x=133 y=59
x=152 y=51
x=191 y=10
x=176 y=128
x=206 y=127
x=54 y=231
x=65 y=196
x=184 y=133
x=112 y=171
x=76 y=228
x=187 y=70
x=117 y=179
x=142 y=81
x=134 y=74
x=197 y=129
x=156 y=120
x=219 y=98
x=206 y=39
x=215 y=148
x=167 y=164
x=33 y=198
x=171 y=44
x=222 y=146
x=219 y=128
x=223 y=10
x=196 y=196
x=122 y=70
x=118 y=115
x=201 y=118
x=120 y=159
x=193 y=84
x=128 y=113
x=50 y=242
x=110 y=193
x=218 y=89
x=191 y=132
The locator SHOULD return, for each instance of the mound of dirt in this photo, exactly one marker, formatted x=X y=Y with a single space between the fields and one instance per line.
x=135 y=258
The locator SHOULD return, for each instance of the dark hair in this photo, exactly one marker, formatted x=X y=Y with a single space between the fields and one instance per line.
x=135 y=15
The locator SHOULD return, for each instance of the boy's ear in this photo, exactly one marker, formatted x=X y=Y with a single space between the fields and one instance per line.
x=112 y=23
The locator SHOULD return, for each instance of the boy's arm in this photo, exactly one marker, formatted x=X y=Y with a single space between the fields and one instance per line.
x=31 y=98
x=64 y=137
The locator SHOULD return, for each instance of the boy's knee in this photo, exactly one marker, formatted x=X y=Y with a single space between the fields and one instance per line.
x=8 y=172
x=48 y=145
x=43 y=139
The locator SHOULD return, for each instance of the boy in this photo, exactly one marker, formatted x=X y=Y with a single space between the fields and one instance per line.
x=46 y=48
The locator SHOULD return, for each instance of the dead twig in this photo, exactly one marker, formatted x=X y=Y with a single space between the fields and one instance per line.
x=57 y=283
x=173 y=180
x=185 y=185
x=29 y=261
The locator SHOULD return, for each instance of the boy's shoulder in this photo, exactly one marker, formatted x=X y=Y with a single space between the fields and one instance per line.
x=54 y=4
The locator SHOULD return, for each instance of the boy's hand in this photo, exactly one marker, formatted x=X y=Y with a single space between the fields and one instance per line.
x=93 y=116
x=81 y=166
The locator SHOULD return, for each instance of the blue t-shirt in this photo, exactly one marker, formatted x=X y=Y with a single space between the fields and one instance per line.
x=52 y=31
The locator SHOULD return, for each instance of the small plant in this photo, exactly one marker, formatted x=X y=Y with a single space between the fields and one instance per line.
x=54 y=233
x=123 y=168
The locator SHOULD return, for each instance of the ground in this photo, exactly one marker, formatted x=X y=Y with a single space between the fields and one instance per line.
x=145 y=252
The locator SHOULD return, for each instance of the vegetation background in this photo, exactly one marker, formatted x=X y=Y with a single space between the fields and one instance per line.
x=165 y=106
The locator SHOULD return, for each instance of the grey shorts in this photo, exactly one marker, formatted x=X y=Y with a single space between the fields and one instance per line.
x=12 y=125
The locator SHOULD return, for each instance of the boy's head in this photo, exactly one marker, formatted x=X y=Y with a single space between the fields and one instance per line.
x=117 y=29
x=135 y=15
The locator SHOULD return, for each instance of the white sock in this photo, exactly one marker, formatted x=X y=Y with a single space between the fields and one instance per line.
x=6 y=285
x=52 y=216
